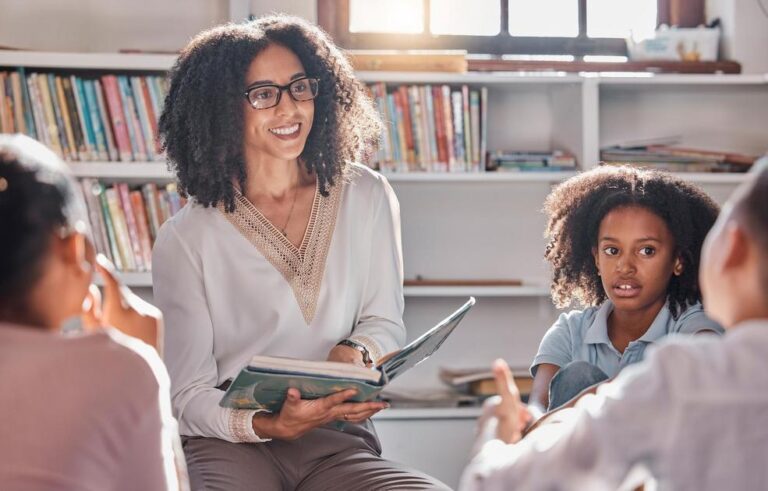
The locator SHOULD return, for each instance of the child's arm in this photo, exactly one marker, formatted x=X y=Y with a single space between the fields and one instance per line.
x=538 y=400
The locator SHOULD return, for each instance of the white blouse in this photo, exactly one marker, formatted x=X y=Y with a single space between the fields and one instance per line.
x=231 y=286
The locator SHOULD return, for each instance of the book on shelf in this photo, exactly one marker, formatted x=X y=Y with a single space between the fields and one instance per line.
x=677 y=159
x=401 y=398
x=409 y=61
x=431 y=128
x=125 y=220
x=263 y=383
x=531 y=161
x=84 y=118
x=480 y=381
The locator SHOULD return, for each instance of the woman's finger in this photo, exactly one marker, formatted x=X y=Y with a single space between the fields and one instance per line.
x=92 y=308
x=338 y=398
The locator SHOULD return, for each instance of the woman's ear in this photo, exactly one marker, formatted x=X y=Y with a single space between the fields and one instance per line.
x=76 y=252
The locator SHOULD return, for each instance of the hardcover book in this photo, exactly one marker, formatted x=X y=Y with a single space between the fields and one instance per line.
x=263 y=383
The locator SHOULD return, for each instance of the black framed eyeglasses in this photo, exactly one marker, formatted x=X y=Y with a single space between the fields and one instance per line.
x=265 y=96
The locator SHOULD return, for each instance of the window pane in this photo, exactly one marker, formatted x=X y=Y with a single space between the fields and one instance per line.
x=405 y=16
x=557 y=18
x=621 y=18
x=476 y=18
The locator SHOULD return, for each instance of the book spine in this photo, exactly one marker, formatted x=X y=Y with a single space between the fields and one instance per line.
x=91 y=189
x=68 y=127
x=112 y=232
x=50 y=117
x=151 y=116
x=112 y=153
x=402 y=102
x=130 y=220
x=143 y=118
x=85 y=114
x=19 y=106
x=121 y=229
x=483 y=128
x=140 y=215
x=438 y=112
x=448 y=124
x=467 y=129
x=131 y=120
x=58 y=117
x=74 y=117
x=29 y=116
x=474 y=115
x=37 y=108
x=458 y=129
x=117 y=115
x=149 y=191
x=95 y=119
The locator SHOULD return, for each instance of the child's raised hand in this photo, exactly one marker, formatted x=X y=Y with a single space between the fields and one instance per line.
x=512 y=415
x=121 y=308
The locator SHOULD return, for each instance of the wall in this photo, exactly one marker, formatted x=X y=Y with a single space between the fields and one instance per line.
x=745 y=32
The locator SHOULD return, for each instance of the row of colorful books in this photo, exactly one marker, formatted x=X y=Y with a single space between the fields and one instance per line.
x=106 y=118
x=431 y=128
x=125 y=220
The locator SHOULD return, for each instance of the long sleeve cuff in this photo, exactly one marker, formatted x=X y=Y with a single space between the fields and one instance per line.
x=241 y=426
x=374 y=348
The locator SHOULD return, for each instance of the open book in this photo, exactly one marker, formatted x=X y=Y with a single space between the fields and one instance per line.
x=263 y=383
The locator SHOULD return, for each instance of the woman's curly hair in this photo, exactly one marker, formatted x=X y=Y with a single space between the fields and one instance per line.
x=576 y=207
x=201 y=127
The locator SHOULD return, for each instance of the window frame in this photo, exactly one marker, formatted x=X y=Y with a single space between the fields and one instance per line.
x=333 y=16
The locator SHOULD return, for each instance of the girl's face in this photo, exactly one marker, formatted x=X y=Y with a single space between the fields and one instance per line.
x=635 y=256
x=278 y=132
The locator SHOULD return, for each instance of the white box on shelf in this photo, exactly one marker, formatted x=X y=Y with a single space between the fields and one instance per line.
x=677 y=44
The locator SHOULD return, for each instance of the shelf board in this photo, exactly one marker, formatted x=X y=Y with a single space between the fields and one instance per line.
x=88 y=61
x=681 y=79
x=478 y=176
x=122 y=170
x=489 y=78
x=476 y=291
x=713 y=177
x=431 y=413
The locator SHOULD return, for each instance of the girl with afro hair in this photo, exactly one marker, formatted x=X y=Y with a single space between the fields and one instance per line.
x=288 y=246
x=625 y=243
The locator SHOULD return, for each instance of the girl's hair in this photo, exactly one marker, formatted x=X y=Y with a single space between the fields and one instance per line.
x=576 y=208
x=201 y=127
x=38 y=198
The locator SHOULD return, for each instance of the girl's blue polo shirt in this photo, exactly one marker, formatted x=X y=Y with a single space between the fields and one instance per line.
x=582 y=335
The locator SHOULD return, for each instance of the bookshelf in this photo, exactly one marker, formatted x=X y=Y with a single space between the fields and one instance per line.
x=468 y=225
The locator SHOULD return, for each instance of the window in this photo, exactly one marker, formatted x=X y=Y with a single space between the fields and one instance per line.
x=497 y=27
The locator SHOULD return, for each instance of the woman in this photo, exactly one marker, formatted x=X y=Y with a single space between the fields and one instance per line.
x=287 y=248
x=82 y=411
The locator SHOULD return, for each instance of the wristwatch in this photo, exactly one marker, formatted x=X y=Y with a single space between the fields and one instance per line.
x=359 y=347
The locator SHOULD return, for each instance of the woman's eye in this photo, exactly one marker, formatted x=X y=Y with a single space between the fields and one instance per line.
x=298 y=88
x=647 y=251
x=611 y=251
x=262 y=94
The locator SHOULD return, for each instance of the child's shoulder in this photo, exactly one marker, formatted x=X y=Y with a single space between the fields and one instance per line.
x=578 y=320
x=693 y=319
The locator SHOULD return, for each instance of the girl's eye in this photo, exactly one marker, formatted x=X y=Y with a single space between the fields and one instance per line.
x=647 y=251
x=611 y=251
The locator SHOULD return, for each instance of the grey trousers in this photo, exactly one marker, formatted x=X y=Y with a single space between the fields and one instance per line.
x=333 y=457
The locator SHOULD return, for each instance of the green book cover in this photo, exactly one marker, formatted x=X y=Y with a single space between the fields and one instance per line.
x=263 y=383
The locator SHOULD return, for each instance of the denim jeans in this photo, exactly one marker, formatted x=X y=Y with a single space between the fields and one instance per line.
x=572 y=379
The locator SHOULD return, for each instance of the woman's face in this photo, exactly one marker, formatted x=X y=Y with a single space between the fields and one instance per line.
x=636 y=258
x=278 y=132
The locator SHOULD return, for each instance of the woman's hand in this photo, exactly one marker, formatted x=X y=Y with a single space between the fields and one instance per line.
x=121 y=308
x=346 y=354
x=512 y=415
x=298 y=416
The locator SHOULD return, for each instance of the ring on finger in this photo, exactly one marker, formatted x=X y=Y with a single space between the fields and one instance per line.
x=346 y=417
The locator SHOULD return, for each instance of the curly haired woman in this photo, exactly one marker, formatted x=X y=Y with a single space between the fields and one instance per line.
x=288 y=247
x=625 y=243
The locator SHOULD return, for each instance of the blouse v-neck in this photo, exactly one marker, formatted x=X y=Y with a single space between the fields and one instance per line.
x=303 y=266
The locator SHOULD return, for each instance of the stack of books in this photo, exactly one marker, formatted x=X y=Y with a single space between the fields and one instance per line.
x=531 y=161
x=479 y=382
x=676 y=159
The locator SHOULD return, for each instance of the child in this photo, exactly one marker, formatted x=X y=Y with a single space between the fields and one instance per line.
x=693 y=414
x=625 y=242
x=81 y=411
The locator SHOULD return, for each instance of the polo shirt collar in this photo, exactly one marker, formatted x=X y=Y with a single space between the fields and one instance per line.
x=597 y=333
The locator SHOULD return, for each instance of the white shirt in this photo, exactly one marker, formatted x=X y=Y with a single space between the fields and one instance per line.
x=230 y=287
x=694 y=415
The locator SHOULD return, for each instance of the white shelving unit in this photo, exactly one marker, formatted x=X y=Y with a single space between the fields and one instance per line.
x=489 y=225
